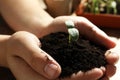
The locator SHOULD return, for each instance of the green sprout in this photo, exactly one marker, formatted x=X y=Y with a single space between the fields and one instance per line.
x=73 y=32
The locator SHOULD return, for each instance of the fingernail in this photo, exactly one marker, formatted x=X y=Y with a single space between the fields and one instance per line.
x=108 y=52
x=51 y=69
x=111 y=53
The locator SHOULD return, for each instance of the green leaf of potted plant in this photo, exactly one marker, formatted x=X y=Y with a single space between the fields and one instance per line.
x=103 y=13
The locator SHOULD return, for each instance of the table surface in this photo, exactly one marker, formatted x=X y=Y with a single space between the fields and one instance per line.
x=5 y=74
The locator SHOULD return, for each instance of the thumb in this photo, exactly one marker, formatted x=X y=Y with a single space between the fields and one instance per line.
x=45 y=65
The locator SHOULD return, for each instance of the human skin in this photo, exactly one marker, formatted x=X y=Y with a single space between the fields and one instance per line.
x=23 y=56
x=29 y=59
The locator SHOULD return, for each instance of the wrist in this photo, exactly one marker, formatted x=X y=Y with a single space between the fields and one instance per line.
x=3 y=44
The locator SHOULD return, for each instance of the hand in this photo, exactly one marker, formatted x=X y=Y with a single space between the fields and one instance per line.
x=93 y=33
x=27 y=61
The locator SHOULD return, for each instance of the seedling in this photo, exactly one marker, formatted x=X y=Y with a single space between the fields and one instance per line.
x=72 y=31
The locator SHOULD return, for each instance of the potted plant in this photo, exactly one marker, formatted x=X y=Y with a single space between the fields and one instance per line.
x=72 y=51
x=103 y=13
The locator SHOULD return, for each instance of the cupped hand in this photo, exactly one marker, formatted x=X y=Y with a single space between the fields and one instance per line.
x=93 y=33
x=27 y=61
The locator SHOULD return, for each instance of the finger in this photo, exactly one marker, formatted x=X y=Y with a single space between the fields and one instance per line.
x=92 y=32
x=93 y=74
x=112 y=57
x=42 y=63
x=22 y=71
x=110 y=70
x=45 y=65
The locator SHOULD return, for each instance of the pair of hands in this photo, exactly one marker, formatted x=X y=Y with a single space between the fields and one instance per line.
x=28 y=62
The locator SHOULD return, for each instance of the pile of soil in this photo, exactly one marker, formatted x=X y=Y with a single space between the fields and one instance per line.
x=79 y=55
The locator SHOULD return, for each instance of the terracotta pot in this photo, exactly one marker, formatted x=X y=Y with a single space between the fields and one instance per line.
x=103 y=20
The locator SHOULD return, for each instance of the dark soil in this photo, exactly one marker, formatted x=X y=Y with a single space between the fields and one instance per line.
x=6 y=74
x=81 y=55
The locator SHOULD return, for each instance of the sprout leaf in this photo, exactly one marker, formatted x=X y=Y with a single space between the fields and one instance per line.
x=73 y=32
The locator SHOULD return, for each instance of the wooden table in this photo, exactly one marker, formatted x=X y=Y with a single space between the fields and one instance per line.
x=5 y=74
